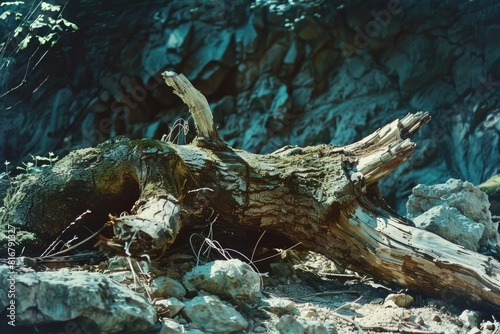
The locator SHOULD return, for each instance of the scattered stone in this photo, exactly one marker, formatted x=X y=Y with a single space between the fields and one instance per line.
x=311 y=313
x=232 y=279
x=288 y=324
x=179 y=38
x=419 y=320
x=178 y=35
x=436 y=317
x=470 y=318
x=62 y=295
x=169 y=307
x=398 y=300
x=164 y=287
x=488 y=325
x=213 y=315
x=171 y=326
x=278 y=306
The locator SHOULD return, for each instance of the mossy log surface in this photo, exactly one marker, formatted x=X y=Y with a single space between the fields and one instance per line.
x=325 y=197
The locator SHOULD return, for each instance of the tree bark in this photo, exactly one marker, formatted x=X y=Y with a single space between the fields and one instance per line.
x=325 y=197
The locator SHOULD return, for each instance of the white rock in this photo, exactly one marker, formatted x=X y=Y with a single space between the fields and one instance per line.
x=227 y=279
x=171 y=327
x=213 y=315
x=164 y=287
x=398 y=299
x=450 y=224
x=488 y=325
x=463 y=196
x=278 y=306
x=470 y=318
x=63 y=295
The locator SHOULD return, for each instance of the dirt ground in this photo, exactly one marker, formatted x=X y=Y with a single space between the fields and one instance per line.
x=351 y=303
x=307 y=286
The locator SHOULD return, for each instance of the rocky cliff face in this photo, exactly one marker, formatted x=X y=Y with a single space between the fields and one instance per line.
x=276 y=73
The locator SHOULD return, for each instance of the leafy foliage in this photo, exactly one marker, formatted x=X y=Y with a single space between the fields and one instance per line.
x=30 y=28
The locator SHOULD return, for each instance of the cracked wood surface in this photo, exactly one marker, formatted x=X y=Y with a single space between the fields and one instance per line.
x=325 y=197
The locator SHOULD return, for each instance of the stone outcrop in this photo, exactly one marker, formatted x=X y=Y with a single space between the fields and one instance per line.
x=275 y=73
x=457 y=211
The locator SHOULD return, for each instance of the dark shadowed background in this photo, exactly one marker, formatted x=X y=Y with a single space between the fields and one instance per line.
x=275 y=72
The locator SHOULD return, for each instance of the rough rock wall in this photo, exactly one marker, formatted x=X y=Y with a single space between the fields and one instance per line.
x=277 y=73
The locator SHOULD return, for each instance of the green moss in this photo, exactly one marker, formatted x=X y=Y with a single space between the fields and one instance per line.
x=491 y=186
x=149 y=145
x=24 y=240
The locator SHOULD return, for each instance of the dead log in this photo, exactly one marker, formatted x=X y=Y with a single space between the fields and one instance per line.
x=325 y=197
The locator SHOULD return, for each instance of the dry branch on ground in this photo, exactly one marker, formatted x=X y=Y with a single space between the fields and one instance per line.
x=325 y=197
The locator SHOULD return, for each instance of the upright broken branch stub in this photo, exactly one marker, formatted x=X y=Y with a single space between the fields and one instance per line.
x=198 y=106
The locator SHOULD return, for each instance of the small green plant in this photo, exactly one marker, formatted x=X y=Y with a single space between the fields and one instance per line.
x=10 y=184
x=33 y=167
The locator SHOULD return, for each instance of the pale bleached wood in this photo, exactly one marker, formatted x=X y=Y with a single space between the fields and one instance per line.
x=325 y=197
x=198 y=106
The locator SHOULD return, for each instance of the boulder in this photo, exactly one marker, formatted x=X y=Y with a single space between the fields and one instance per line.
x=231 y=279
x=214 y=316
x=59 y=296
x=164 y=287
x=470 y=318
x=398 y=300
x=456 y=210
x=279 y=306
x=170 y=326
x=169 y=307
x=450 y=224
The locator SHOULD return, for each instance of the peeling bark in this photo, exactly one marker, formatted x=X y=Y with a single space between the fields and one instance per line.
x=325 y=197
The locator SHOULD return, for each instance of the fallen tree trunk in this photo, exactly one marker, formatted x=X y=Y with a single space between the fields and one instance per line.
x=325 y=197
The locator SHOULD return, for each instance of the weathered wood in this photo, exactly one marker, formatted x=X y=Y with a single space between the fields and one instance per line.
x=325 y=197
x=198 y=106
